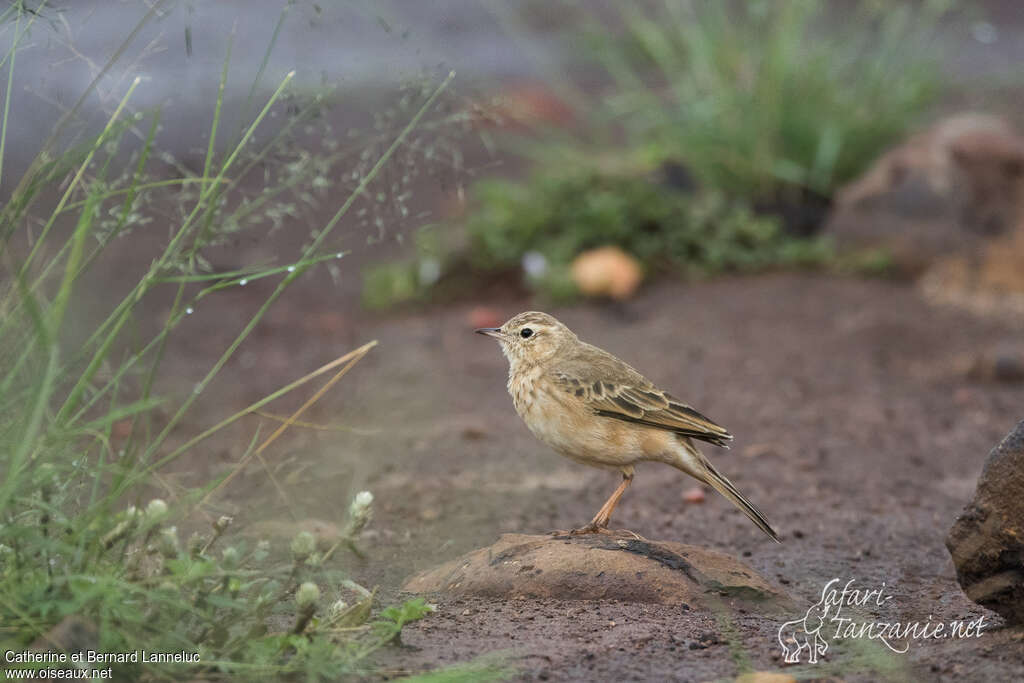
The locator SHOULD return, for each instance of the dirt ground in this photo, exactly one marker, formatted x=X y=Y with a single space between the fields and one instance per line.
x=857 y=433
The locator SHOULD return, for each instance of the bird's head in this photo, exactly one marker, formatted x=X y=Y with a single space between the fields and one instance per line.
x=530 y=337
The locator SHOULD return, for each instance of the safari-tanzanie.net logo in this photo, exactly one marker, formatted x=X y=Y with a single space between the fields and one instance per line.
x=842 y=613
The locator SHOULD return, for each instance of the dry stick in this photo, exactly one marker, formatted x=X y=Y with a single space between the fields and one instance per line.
x=290 y=421
x=319 y=427
x=353 y=357
x=248 y=410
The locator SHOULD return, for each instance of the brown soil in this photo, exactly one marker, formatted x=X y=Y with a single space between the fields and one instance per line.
x=858 y=435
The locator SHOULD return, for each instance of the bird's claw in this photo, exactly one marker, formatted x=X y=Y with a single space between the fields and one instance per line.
x=593 y=528
x=588 y=529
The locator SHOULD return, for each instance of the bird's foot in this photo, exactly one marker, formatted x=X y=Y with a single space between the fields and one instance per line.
x=591 y=528
x=595 y=529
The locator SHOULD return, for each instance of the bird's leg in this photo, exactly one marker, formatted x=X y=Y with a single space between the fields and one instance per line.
x=599 y=523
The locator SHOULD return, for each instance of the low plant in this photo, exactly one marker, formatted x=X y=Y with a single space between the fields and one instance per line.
x=87 y=546
x=558 y=215
x=534 y=229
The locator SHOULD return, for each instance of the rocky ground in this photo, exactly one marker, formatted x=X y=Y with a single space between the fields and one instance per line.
x=858 y=432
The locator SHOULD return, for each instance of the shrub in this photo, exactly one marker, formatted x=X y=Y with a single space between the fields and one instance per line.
x=558 y=215
x=535 y=228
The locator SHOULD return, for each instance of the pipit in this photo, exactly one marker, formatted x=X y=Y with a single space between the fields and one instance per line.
x=593 y=408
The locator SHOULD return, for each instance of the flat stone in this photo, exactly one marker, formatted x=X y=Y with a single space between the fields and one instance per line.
x=987 y=539
x=604 y=567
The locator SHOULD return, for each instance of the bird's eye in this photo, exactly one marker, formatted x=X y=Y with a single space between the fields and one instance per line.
x=526 y=333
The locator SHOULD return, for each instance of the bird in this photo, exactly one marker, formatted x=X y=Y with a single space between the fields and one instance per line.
x=596 y=410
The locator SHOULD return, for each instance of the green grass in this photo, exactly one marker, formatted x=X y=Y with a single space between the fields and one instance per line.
x=557 y=214
x=89 y=527
x=763 y=99
x=765 y=104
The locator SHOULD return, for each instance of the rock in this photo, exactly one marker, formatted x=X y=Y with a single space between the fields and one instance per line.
x=999 y=269
x=988 y=281
x=606 y=271
x=603 y=567
x=987 y=539
x=983 y=304
x=473 y=432
x=940 y=192
x=1001 y=365
x=765 y=677
x=694 y=495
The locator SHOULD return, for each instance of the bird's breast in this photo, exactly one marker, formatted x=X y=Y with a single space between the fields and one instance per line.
x=523 y=386
x=560 y=420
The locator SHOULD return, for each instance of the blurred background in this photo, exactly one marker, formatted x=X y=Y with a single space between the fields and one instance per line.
x=805 y=218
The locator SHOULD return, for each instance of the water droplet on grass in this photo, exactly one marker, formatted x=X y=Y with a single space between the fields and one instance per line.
x=189 y=310
x=243 y=282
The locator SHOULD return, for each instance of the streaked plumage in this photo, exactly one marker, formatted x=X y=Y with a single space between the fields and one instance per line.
x=595 y=409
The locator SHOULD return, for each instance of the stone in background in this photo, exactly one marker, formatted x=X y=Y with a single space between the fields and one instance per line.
x=987 y=539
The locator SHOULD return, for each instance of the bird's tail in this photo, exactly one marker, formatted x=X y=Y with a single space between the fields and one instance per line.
x=706 y=472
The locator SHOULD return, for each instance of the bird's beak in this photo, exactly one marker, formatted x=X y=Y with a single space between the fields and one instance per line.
x=490 y=331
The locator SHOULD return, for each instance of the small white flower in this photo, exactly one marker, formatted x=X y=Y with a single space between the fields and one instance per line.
x=338 y=607
x=359 y=513
x=303 y=545
x=156 y=511
x=307 y=594
x=360 y=506
x=230 y=557
x=167 y=542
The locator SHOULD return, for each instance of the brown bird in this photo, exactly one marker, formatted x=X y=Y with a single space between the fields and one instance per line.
x=592 y=408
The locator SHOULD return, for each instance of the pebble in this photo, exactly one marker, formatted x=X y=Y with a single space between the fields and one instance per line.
x=694 y=495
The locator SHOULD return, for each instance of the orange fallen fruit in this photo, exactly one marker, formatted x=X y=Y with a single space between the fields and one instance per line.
x=606 y=271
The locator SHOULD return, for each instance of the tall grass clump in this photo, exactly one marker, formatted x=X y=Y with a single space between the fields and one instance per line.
x=763 y=98
x=98 y=551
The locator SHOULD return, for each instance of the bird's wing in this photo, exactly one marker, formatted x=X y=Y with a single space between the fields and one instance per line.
x=613 y=389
